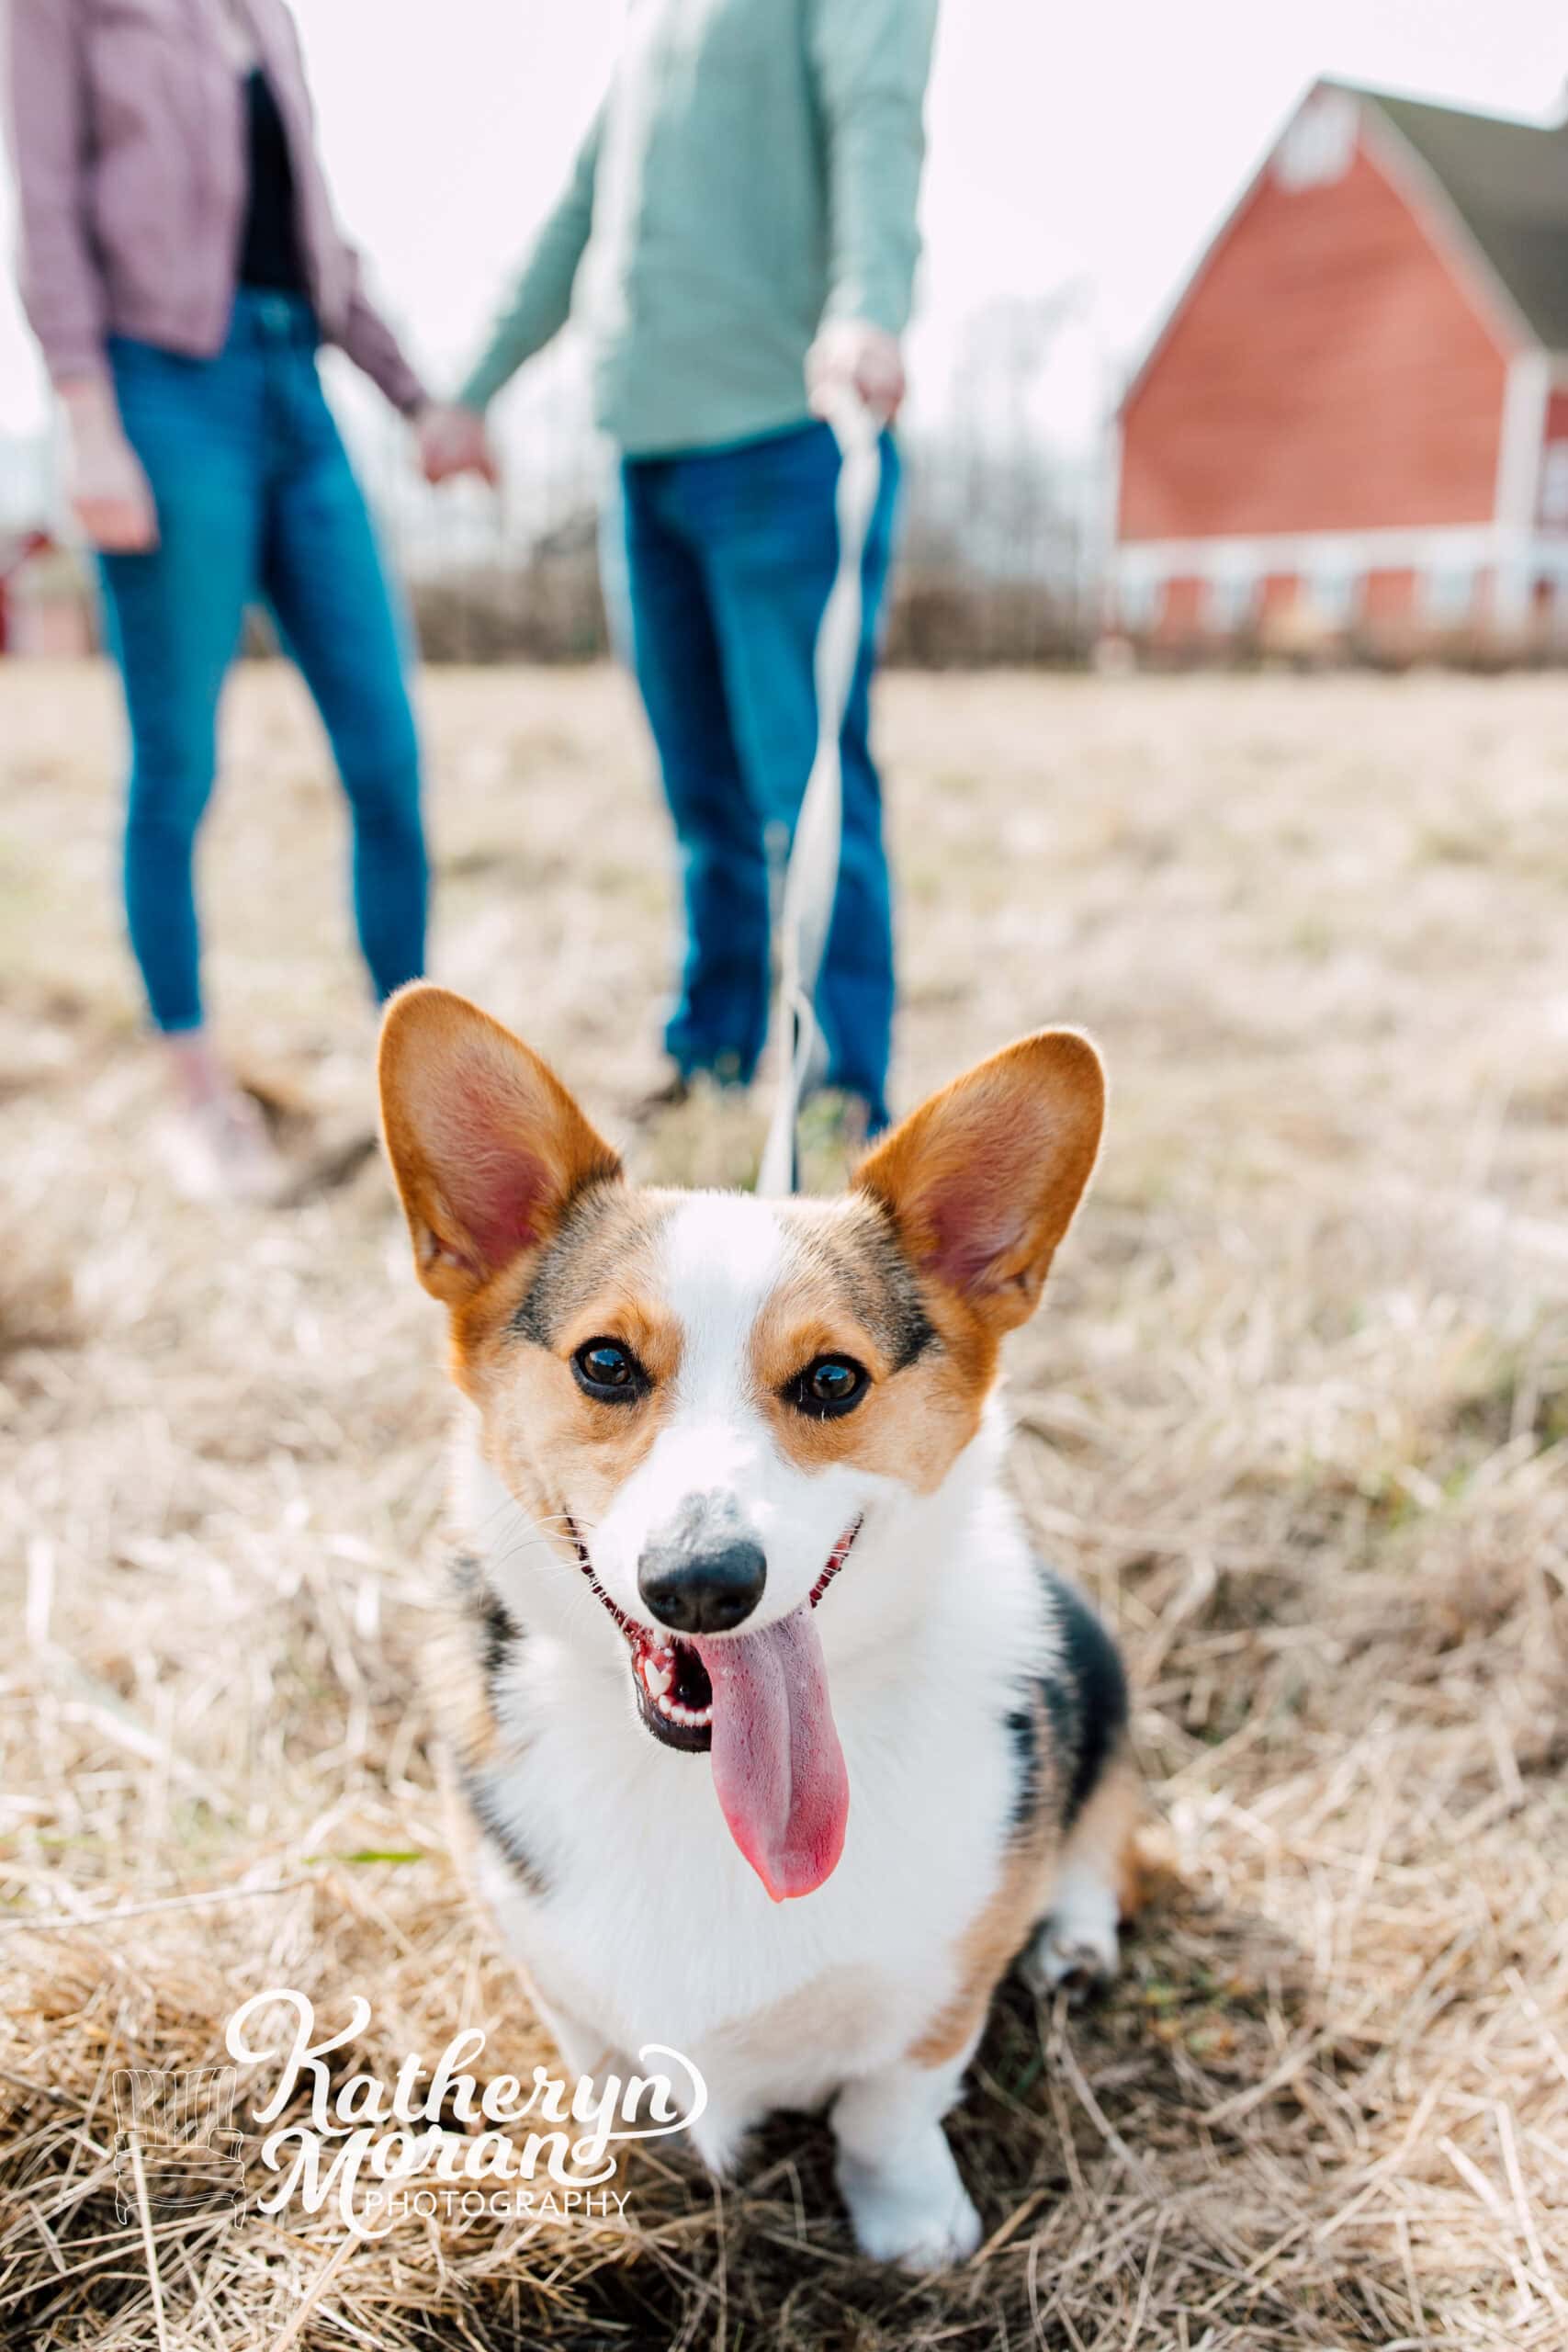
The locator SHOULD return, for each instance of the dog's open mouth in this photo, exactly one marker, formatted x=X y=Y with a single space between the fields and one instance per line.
x=673 y=1692
x=778 y=1768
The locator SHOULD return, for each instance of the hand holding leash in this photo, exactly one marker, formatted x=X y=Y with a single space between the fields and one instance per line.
x=852 y=357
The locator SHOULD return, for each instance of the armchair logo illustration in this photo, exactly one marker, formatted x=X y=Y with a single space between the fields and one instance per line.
x=175 y=2149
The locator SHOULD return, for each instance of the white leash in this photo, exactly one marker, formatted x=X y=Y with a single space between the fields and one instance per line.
x=811 y=881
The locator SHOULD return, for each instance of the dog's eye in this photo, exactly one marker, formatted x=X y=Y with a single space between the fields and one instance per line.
x=829 y=1386
x=607 y=1370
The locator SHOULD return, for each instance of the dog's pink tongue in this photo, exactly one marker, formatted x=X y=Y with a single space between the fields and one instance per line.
x=777 y=1765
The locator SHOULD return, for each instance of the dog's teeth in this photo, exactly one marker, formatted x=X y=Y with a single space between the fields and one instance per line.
x=658 y=1678
x=675 y=1713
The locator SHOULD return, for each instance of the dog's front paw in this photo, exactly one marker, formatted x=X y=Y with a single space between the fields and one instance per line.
x=719 y=2136
x=896 y=2221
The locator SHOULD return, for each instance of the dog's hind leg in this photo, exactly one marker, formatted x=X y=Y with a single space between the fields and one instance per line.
x=1092 y=1892
x=719 y=2136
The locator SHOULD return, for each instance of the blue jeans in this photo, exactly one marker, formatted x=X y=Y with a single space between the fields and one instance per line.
x=731 y=553
x=257 y=501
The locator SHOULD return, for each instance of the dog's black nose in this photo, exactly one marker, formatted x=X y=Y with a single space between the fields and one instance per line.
x=708 y=1591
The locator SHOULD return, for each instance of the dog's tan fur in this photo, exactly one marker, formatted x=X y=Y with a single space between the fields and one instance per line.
x=1107 y=1828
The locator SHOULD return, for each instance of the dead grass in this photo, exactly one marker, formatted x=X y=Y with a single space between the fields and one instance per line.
x=1297 y=1413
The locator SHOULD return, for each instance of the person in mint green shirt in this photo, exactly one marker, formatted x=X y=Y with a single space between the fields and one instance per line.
x=739 y=240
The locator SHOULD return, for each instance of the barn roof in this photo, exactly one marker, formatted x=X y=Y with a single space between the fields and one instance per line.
x=1508 y=182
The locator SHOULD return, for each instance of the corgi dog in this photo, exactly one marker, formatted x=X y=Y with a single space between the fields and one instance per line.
x=780 y=1742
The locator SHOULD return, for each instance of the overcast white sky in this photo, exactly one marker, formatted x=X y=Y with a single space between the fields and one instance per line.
x=1091 y=143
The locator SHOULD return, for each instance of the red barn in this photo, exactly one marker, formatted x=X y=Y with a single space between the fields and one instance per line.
x=1355 y=420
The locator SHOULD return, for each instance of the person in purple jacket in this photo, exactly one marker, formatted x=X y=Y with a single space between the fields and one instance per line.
x=180 y=265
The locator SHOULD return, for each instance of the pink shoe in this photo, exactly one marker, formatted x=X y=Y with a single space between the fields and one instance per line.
x=220 y=1151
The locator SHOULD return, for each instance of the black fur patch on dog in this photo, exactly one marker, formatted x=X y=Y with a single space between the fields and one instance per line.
x=505 y=1833
x=495 y=1629
x=483 y=1636
x=1081 y=1702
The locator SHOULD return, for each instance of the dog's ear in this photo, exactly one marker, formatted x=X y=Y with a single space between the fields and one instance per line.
x=982 y=1180
x=485 y=1142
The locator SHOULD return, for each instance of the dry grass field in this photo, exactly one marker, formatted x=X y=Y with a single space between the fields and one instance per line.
x=1296 y=1414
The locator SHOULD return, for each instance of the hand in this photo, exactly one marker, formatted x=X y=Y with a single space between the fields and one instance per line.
x=453 y=440
x=849 y=355
x=110 y=495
